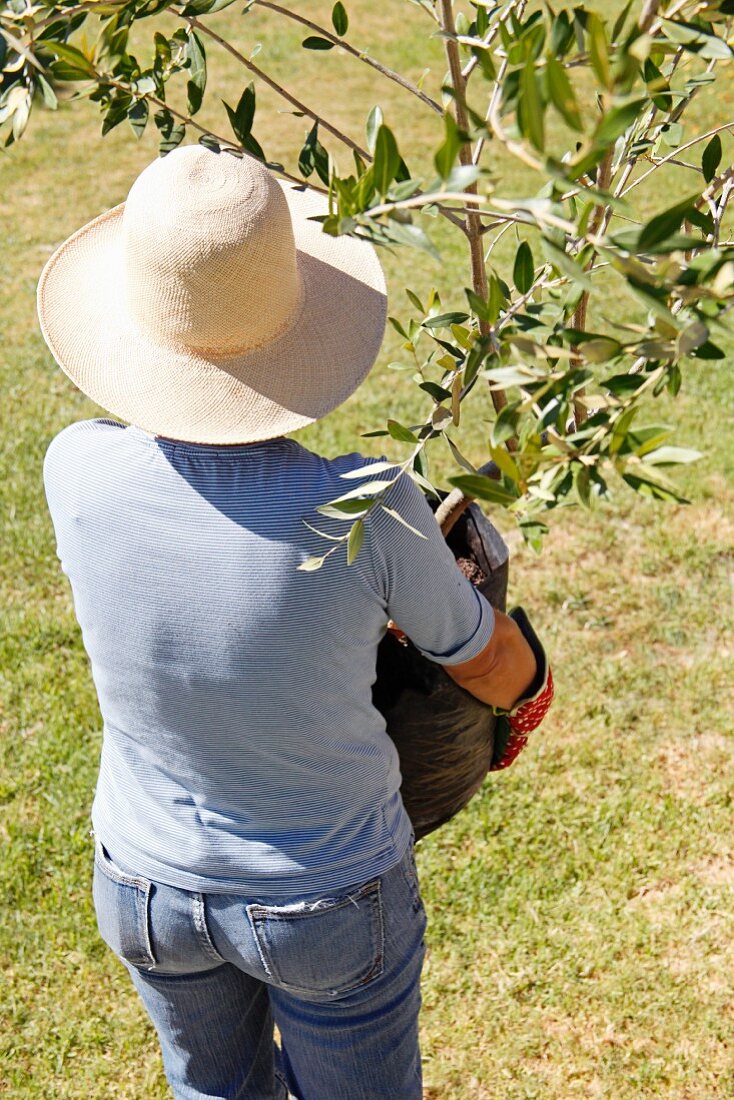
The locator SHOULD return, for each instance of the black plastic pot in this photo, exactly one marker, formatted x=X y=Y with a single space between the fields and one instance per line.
x=444 y=736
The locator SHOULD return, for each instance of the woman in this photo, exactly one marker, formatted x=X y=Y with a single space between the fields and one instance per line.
x=253 y=857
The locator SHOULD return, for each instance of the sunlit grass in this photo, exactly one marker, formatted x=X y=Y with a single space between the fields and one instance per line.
x=580 y=909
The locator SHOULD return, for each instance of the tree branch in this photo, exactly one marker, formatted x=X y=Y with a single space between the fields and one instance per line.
x=424 y=199
x=491 y=35
x=513 y=147
x=676 y=152
x=726 y=191
x=648 y=13
x=494 y=97
x=63 y=13
x=716 y=184
x=282 y=92
x=189 y=121
x=603 y=180
x=348 y=48
x=625 y=154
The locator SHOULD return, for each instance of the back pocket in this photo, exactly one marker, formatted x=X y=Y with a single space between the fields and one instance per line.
x=325 y=948
x=122 y=904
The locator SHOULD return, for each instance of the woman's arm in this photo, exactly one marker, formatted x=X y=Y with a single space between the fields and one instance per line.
x=505 y=669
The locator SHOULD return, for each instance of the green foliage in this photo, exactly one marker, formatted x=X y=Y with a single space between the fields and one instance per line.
x=314 y=156
x=387 y=160
x=523 y=272
x=561 y=93
x=445 y=157
x=339 y=18
x=241 y=120
x=172 y=133
x=711 y=158
x=196 y=84
x=561 y=400
x=314 y=42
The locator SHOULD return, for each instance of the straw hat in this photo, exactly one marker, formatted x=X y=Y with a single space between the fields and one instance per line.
x=207 y=307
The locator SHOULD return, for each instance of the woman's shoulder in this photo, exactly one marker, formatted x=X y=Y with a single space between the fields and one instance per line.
x=79 y=439
x=352 y=466
x=84 y=431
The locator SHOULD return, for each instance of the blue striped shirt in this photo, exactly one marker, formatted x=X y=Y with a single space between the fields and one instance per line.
x=241 y=750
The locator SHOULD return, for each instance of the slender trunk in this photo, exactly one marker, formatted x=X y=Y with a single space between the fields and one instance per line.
x=473 y=221
x=603 y=180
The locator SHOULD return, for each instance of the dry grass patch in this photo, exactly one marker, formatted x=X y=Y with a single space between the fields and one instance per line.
x=716 y=871
x=691 y=767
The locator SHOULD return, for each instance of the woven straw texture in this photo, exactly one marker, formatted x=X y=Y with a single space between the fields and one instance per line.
x=208 y=308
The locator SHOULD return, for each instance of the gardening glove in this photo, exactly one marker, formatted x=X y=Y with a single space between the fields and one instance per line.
x=513 y=726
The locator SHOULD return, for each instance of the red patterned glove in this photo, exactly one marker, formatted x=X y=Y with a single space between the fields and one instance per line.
x=511 y=734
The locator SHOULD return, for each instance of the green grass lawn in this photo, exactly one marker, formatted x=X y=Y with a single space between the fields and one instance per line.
x=581 y=912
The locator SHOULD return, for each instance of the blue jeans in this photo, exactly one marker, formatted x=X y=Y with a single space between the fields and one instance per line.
x=339 y=975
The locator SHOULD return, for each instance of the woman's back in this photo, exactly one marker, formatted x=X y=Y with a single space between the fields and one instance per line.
x=241 y=749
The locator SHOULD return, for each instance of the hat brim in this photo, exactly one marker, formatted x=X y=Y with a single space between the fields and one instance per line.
x=307 y=371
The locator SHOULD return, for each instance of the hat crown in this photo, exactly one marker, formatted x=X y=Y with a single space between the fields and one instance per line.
x=209 y=253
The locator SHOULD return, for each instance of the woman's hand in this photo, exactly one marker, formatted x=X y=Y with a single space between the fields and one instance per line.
x=513 y=676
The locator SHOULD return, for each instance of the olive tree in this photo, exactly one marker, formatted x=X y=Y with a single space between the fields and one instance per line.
x=590 y=106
